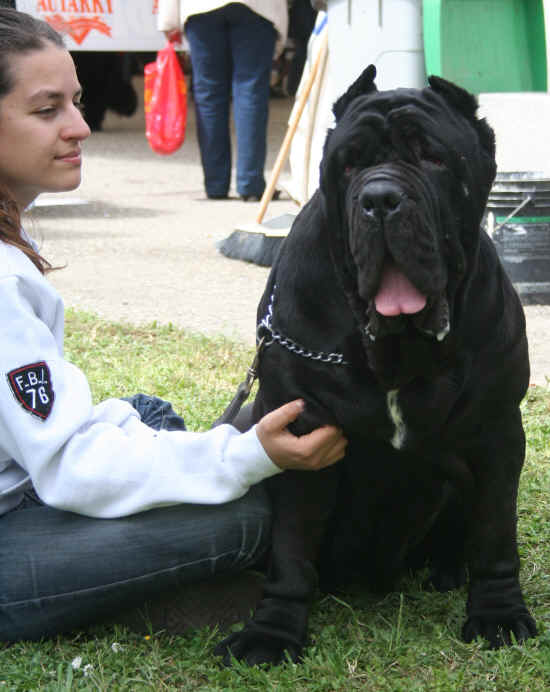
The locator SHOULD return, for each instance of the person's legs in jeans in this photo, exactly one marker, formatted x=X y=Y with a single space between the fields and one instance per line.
x=211 y=64
x=252 y=45
x=61 y=571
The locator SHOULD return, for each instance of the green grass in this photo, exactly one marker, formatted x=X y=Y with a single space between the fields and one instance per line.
x=403 y=641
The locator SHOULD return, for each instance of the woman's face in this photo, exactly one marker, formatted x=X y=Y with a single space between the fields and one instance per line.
x=41 y=127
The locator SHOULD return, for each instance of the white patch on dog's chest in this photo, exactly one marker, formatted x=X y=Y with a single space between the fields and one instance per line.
x=396 y=417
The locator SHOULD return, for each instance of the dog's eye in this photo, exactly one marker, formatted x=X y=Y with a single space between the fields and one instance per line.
x=349 y=159
x=434 y=160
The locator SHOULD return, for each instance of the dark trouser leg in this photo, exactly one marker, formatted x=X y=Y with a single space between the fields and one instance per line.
x=252 y=41
x=211 y=62
x=61 y=571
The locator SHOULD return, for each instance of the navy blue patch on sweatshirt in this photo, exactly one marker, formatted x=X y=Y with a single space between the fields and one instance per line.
x=32 y=387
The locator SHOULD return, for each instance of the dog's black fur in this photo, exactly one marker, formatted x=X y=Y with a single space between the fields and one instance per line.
x=429 y=400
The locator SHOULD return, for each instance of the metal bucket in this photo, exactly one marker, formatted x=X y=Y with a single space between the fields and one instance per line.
x=518 y=221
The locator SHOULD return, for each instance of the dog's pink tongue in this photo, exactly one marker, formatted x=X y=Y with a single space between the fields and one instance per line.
x=397 y=295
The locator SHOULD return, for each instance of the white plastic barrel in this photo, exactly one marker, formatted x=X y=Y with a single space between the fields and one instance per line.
x=386 y=33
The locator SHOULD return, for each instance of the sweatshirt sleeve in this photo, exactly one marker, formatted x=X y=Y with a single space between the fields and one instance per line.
x=101 y=460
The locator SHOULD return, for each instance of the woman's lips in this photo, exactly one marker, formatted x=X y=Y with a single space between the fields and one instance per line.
x=74 y=157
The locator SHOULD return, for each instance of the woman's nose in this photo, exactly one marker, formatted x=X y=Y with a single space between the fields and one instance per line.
x=75 y=127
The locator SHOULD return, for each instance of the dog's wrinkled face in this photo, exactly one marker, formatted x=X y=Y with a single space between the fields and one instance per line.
x=405 y=177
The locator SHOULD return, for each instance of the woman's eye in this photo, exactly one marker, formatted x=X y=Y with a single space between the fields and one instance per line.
x=47 y=111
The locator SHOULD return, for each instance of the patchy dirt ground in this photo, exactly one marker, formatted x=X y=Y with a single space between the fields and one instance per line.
x=139 y=240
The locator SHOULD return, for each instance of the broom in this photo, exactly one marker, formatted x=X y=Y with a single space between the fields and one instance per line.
x=254 y=244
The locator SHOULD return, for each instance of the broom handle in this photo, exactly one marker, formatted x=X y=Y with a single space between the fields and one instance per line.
x=293 y=124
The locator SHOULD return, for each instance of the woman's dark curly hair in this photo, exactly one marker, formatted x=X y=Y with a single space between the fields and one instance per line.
x=19 y=34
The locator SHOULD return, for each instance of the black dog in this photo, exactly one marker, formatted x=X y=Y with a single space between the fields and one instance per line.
x=389 y=312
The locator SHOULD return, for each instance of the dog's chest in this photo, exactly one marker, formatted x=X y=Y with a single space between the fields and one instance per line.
x=397 y=419
x=420 y=415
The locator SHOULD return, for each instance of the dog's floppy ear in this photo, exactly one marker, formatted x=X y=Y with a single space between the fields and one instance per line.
x=466 y=103
x=364 y=84
x=458 y=97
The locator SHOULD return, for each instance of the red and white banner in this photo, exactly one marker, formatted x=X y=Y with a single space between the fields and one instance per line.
x=119 y=25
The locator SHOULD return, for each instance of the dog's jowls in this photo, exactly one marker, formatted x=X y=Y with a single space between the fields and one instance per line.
x=388 y=311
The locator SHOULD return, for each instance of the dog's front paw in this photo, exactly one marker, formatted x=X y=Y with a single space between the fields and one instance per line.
x=253 y=647
x=277 y=632
x=497 y=612
x=498 y=632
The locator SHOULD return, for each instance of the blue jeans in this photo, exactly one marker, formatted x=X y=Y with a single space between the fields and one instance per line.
x=61 y=571
x=231 y=56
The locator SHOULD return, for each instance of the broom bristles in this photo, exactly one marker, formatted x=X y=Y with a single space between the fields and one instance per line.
x=251 y=247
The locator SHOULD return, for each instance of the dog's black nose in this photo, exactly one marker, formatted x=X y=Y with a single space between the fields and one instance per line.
x=380 y=198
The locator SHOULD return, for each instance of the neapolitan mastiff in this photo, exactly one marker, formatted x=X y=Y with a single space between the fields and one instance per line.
x=389 y=312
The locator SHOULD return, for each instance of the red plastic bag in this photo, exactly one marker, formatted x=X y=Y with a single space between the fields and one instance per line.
x=165 y=102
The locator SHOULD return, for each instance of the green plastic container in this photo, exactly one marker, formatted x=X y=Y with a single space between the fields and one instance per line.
x=486 y=45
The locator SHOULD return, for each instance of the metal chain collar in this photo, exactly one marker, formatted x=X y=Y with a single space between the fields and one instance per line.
x=289 y=344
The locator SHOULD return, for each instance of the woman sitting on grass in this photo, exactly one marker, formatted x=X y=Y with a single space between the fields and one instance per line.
x=104 y=507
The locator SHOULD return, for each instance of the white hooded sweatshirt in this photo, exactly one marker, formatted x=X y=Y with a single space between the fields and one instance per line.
x=100 y=461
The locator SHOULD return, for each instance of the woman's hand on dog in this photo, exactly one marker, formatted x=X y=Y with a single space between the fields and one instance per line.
x=312 y=452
